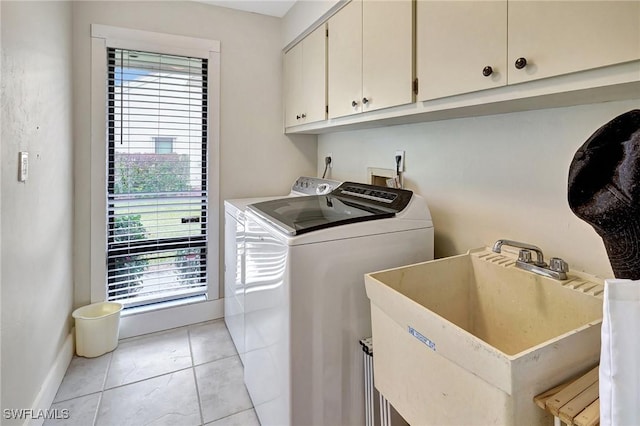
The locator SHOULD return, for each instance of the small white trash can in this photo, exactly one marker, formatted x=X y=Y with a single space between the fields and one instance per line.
x=97 y=328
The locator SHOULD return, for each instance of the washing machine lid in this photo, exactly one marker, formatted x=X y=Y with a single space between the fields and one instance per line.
x=349 y=203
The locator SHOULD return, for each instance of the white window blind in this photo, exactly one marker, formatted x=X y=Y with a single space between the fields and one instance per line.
x=157 y=177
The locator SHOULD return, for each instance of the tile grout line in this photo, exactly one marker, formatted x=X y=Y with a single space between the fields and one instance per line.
x=195 y=377
x=104 y=382
x=78 y=396
x=95 y=415
x=234 y=414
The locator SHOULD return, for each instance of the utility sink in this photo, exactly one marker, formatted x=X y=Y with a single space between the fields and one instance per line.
x=471 y=339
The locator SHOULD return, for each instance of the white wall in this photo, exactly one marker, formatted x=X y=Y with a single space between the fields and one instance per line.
x=37 y=232
x=1 y=93
x=303 y=15
x=485 y=178
x=256 y=158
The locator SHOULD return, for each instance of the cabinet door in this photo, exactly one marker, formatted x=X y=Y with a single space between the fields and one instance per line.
x=559 y=37
x=293 y=86
x=387 y=53
x=461 y=46
x=345 y=60
x=314 y=75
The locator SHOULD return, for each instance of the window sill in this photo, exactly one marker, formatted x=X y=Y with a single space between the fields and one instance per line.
x=135 y=310
x=142 y=320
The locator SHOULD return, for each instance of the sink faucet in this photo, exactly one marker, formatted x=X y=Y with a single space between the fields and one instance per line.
x=497 y=248
x=557 y=268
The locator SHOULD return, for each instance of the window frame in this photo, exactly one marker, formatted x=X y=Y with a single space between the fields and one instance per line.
x=103 y=37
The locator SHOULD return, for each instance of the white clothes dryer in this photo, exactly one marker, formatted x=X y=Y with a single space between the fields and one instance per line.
x=234 y=251
x=305 y=306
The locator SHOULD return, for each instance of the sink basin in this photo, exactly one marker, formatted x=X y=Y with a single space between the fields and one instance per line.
x=471 y=339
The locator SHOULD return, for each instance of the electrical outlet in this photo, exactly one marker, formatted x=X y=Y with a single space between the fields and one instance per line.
x=401 y=154
x=330 y=157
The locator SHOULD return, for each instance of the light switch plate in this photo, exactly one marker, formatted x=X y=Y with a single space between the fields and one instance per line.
x=23 y=166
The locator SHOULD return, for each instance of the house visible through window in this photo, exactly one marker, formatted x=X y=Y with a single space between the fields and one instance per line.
x=157 y=184
x=163 y=144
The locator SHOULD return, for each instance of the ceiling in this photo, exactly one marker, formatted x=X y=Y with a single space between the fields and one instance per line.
x=276 y=8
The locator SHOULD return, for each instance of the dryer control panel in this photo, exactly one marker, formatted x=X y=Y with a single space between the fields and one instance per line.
x=314 y=186
x=394 y=199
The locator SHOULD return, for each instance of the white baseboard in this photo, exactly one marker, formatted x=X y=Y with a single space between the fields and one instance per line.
x=136 y=324
x=54 y=378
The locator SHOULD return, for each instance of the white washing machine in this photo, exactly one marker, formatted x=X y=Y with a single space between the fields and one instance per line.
x=305 y=306
x=234 y=249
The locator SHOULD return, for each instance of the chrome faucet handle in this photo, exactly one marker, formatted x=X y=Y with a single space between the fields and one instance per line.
x=525 y=256
x=558 y=265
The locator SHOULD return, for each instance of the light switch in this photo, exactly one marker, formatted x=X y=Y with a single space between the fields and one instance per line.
x=23 y=166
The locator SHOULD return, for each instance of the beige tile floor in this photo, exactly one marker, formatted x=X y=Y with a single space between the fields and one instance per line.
x=185 y=376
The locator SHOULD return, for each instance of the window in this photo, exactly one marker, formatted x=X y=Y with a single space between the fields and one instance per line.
x=155 y=181
x=157 y=190
x=163 y=144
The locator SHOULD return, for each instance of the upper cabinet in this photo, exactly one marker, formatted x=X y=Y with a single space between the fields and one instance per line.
x=344 y=73
x=305 y=68
x=370 y=53
x=467 y=57
x=461 y=47
x=549 y=38
x=466 y=46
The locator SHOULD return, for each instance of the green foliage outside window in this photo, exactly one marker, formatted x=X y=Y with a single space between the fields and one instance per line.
x=189 y=262
x=151 y=173
x=128 y=228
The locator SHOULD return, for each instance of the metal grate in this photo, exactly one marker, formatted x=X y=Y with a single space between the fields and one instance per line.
x=388 y=416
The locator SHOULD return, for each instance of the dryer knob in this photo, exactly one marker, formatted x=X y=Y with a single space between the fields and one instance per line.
x=323 y=188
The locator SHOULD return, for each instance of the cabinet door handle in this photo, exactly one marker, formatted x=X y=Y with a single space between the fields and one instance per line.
x=521 y=63
x=298 y=117
x=487 y=71
x=365 y=101
x=303 y=115
x=354 y=103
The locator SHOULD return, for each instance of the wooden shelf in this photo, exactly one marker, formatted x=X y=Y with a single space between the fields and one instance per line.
x=575 y=402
